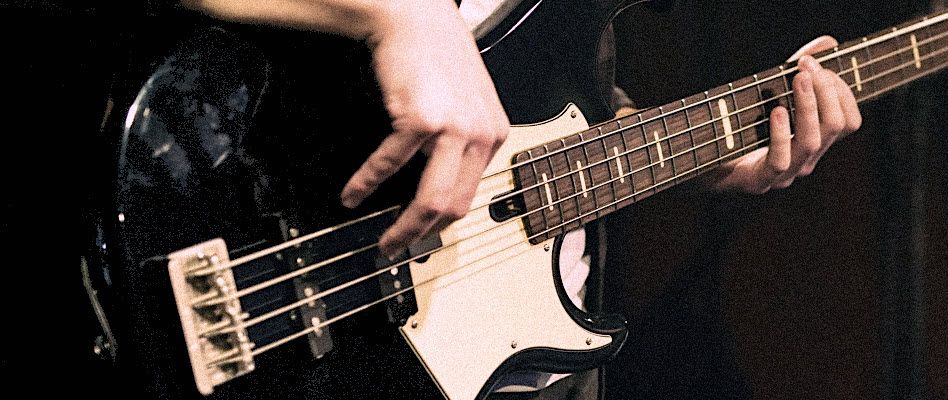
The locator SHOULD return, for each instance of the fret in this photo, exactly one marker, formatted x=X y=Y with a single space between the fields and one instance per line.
x=736 y=118
x=754 y=115
x=680 y=145
x=642 y=178
x=628 y=136
x=928 y=44
x=670 y=156
x=773 y=92
x=888 y=64
x=725 y=125
x=713 y=142
x=863 y=69
x=553 y=188
x=658 y=150
x=532 y=198
x=905 y=60
x=845 y=72
x=618 y=162
x=578 y=164
x=833 y=63
x=629 y=159
x=542 y=169
x=703 y=135
x=563 y=184
x=599 y=172
x=620 y=151
x=753 y=109
x=613 y=178
x=787 y=101
x=933 y=47
x=691 y=134
x=590 y=170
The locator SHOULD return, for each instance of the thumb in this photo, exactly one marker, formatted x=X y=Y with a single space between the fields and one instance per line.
x=815 y=46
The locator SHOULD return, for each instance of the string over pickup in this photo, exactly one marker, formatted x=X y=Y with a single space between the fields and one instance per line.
x=211 y=315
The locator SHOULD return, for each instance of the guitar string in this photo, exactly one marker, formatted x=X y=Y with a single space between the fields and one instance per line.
x=670 y=113
x=646 y=145
x=387 y=269
x=325 y=262
x=353 y=311
x=519 y=241
x=671 y=158
x=784 y=72
x=697 y=170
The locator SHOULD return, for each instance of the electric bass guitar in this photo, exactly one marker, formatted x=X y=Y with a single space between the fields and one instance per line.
x=227 y=267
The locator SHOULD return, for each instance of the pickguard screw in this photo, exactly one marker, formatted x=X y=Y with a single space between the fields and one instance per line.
x=546 y=247
x=589 y=341
x=573 y=114
x=513 y=344
x=414 y=324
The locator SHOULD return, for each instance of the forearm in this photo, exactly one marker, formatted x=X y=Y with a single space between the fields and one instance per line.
x=358 y=19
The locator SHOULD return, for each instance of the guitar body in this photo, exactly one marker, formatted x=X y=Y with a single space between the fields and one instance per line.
x=232 y=134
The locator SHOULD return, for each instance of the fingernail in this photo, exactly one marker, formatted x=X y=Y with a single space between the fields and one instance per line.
x=349 y=202
x=391 y=253
x=812 y=64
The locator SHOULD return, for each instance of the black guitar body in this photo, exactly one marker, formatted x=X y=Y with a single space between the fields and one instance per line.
x=249 y=134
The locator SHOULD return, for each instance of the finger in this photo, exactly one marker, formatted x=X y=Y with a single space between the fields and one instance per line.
x=806 y=139
x=392 y=154
x=475 y=160
x=736 y=174
x=847 y=102
x=778 y=153
x=815 y=46
x=432 y=201
x=832 y=117
x=851 y=114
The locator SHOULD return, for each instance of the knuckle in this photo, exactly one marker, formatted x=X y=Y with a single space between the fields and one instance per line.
x=783 y=184
x=383 y=164
x=429 y=124
x=807 y=169
x=853 y=124
x=798 y=81
x=780 y=167
x=835 y=125
x=500 y=135
x=828 y=78
x=455 y=213
x=810 y=147
x=432 y=209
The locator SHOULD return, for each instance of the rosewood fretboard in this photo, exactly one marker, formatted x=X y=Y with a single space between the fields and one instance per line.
x=579 y=178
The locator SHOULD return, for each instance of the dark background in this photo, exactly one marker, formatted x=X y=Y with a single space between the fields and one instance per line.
x=833 y=288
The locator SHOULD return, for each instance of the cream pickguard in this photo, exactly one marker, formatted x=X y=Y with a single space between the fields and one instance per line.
x=482 y=306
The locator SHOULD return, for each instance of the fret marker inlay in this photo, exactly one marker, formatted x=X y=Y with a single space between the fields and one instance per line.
x=856 y=74
x=658 y=145
x=582 y=178
x=549 y=195
x=615 y=150
x=918 y=59
x=726 y=120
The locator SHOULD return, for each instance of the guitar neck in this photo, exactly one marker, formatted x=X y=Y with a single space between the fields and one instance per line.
x=577 y=179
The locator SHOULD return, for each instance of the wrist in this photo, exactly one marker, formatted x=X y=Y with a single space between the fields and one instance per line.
x=358 y=19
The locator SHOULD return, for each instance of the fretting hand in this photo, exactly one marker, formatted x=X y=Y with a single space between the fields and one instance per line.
x=825 y=109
